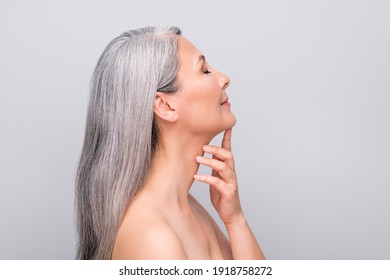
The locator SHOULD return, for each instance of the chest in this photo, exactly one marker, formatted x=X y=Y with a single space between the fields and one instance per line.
x=199 y=239
x=202 y=243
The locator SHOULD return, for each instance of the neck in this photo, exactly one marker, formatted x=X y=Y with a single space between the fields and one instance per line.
x=173 y=169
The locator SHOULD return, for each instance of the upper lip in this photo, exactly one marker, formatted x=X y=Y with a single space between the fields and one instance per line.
x=227 y=98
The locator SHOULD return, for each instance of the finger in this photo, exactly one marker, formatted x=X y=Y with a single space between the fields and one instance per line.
x=218 y=152
x=226 y=141
x=221 y=167
x=217 y=183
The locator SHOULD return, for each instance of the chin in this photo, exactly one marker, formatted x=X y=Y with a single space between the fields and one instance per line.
x=231 y=122
x=228 y=123
x=234 y=120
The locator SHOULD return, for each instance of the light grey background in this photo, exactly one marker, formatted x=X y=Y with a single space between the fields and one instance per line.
x=310 y=89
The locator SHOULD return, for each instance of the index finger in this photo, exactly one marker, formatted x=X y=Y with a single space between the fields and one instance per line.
x=226 y=141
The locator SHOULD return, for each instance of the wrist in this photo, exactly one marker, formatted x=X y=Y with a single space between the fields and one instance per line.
x=238 y=221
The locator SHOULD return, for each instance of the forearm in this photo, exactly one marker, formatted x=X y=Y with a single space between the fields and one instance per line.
x=243 y=243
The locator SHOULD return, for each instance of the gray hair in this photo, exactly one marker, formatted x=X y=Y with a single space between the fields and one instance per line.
x=121 y=133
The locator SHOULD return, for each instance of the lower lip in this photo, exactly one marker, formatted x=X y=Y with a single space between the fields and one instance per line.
x=226 y=103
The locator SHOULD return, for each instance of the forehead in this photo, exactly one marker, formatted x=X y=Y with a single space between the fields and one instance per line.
x=187 y=51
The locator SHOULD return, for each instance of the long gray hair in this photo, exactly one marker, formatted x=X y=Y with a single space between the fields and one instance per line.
x=121 y=133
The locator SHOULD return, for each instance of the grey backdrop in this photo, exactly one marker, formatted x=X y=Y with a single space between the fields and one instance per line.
x=310 y=90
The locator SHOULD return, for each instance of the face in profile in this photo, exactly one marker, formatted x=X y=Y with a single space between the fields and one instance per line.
x=201 y=100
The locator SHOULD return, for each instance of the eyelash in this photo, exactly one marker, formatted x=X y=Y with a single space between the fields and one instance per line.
x=207 y=72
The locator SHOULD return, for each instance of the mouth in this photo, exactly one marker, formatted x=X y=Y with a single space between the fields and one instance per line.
x=225 y=102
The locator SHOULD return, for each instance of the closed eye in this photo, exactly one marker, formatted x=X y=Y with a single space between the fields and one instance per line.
x=202 y=60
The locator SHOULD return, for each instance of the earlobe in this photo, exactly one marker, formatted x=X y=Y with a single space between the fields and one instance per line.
x=163 y=109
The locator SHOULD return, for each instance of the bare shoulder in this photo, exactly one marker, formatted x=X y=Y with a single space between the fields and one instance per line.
x=145 y=236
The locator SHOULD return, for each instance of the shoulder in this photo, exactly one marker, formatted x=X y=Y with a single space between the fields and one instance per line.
x=147 y=237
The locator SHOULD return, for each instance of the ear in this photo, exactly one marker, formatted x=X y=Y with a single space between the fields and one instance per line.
x=165 y=109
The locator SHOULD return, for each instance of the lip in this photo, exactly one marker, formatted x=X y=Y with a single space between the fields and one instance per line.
x=225 y=102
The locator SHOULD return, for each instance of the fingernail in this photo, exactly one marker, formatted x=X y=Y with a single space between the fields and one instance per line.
x=207 y=148
x=197 y=177
x=198 y=158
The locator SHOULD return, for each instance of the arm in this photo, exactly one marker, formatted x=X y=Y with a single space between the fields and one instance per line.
x=225 y=199
x=243 y=242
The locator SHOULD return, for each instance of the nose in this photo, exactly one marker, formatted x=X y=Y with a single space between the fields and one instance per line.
x=223 y=80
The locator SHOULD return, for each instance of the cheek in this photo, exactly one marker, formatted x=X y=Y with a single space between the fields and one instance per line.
x=195 y=114
x=203 y=99
x=200 y=107
x=205 y=93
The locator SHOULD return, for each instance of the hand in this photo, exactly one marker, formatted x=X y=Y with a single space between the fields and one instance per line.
x=223 y=180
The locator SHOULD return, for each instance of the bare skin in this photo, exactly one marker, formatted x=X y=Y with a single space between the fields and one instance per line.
x=164 y=221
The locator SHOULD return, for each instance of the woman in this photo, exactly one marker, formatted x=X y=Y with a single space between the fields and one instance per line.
x=155 y=104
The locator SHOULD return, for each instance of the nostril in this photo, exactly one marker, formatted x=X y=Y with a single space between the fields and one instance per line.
x=227 y=83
